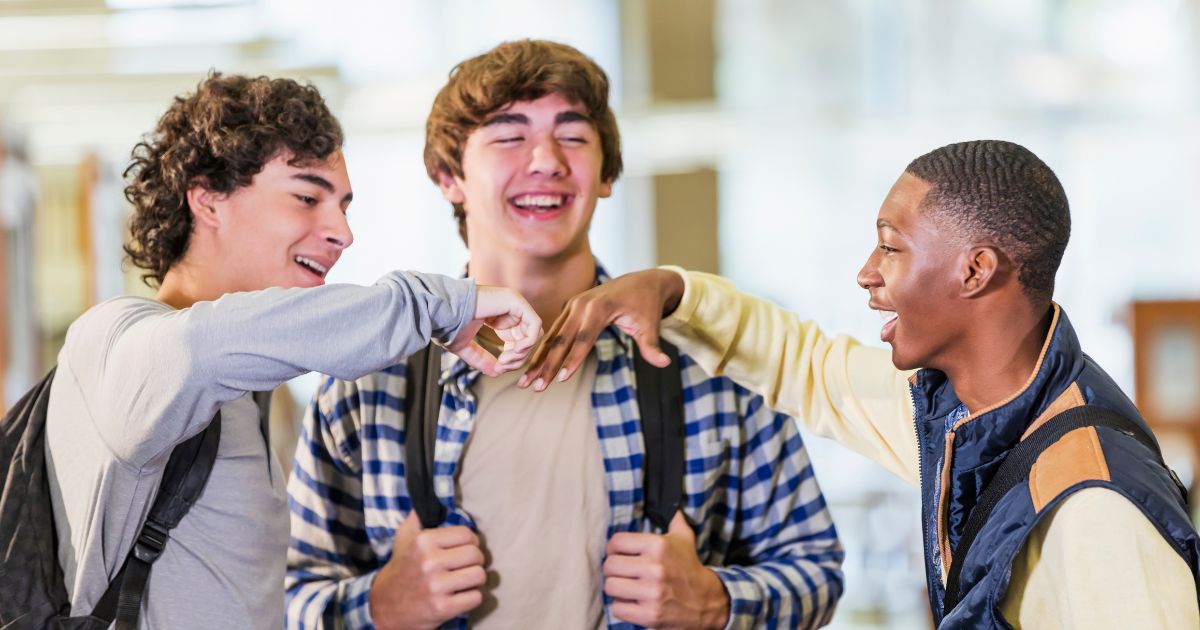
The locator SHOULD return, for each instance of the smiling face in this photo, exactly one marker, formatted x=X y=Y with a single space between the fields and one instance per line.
x=286 y=229
x=531 y=179
x=912 y=277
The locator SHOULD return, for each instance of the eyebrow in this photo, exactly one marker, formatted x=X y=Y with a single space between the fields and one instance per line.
x=571 y=116
x=881 y=224
x=521 y=119
x=506 y=119
x=317 y=180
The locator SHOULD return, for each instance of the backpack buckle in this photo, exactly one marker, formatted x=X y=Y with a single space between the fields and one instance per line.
x=150 y=542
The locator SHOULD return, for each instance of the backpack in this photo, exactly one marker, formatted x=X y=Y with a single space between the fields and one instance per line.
x=1016 y=468
x=32 y=593
x=660 y=399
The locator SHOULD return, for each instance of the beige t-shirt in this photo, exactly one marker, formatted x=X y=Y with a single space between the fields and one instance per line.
x=532 y=478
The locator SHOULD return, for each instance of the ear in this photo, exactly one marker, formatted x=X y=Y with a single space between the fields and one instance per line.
x=451 y=188
x=605 y=189
x=203 y=203
x=981 y=271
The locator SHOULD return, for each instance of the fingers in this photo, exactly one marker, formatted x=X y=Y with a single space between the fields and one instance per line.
x=634 y=544
x=563 y=349
x=448 y=538
x=623 y=588
x=632 y=567
x=479 y=358
x=469 y=577
x=632 y=612
x=459 y=603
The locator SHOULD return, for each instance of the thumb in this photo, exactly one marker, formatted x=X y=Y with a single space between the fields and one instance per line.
x=648 y=345
x=679 y=527
x=409 y=528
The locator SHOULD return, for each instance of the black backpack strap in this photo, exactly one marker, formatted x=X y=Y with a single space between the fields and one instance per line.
x=184 y=479
x=1014 y=470
x=660 y=400
x=423 y=405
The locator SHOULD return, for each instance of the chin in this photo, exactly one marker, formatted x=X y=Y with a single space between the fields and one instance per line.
x=902 y=362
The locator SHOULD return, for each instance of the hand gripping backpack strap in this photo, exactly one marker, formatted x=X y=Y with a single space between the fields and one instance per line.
x=1015 y=468
x=423 y=405
x=183 y=481
x=660 y=400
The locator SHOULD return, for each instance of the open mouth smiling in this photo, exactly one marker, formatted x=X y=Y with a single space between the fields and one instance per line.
x=311 y=266
x=541 y=205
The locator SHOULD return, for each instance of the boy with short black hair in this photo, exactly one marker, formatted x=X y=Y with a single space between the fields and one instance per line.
x=1097 y=535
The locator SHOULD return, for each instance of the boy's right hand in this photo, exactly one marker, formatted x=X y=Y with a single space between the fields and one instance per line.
x=635 y=303
x=514 y=322
x=433 y=576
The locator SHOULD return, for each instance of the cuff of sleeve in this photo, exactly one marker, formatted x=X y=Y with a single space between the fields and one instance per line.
x=745 y=598
x=688 y=302
x=356 y=602
x=468 y=312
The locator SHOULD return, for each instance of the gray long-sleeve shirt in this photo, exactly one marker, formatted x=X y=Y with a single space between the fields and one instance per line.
x=136 y=378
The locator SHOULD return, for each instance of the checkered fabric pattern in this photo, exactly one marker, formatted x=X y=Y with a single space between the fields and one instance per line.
x=762 y=522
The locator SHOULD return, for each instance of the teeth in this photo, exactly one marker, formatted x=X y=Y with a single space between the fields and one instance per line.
x=886 y=316
x=540 y=201
x=312 y=264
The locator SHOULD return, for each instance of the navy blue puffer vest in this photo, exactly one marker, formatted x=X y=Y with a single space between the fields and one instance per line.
x=959 y=455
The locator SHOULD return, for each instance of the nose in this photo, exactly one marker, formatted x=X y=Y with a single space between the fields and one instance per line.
x=336 y=229
x=546 y=158
x=868 y=276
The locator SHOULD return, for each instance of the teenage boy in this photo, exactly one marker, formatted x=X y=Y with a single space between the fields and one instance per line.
x=546 y=526
x=970 y=239
x=239 y=204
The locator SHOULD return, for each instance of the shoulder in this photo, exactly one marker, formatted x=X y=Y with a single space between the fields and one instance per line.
x=352 y=404
x=731 y=407
x=114 y=313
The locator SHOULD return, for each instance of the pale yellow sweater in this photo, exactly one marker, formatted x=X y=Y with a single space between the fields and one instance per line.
x=1094 y=562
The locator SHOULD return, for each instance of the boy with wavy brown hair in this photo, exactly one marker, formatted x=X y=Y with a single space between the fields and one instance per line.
x=240 y=198
x=546 y=524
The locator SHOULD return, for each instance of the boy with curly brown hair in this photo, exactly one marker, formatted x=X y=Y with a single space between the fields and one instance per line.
x=240 y=198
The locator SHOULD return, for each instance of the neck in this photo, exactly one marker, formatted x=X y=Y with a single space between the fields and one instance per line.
x=546 y=283
x=1002 y=354
x=185 y=284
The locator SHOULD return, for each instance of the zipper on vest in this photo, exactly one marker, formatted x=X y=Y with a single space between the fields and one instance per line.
x=925 y=509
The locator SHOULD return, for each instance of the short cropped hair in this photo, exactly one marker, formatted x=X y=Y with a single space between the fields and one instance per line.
x=523 y=70
x=1001 y=193
x=220 y=136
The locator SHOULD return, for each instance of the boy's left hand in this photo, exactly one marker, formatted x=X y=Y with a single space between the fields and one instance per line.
x=514 y=322
x=658 y=581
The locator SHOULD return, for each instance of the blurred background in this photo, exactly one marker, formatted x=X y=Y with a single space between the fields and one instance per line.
x=759 y=138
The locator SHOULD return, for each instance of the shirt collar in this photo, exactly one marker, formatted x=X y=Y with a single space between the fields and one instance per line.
x=454 y=368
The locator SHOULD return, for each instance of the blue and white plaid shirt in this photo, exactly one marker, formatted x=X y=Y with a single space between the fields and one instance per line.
x=762 y=523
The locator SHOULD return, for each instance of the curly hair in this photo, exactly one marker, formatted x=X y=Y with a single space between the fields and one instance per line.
x=221 y=136
x=523 y=70
x=1000 y=192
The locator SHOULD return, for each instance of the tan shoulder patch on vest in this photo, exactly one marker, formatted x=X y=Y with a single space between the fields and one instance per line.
x=1069 y=399
x=1074 y=458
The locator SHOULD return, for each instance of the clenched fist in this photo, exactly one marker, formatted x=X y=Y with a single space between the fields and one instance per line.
x=433 y=576
x=659 y=582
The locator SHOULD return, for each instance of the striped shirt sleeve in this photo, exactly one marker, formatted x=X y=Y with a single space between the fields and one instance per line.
x=330 y=565
x=784 y=568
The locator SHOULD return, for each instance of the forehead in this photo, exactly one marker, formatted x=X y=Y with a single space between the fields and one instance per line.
x=549 y=105
x=279 y=170
x=902 y=206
